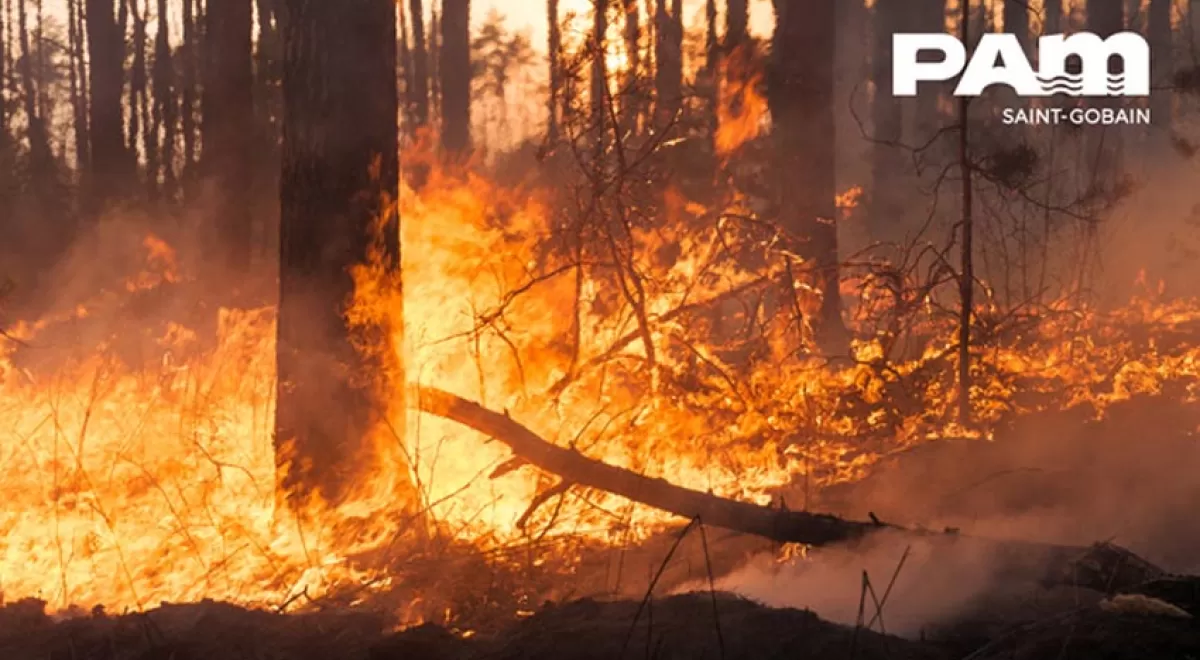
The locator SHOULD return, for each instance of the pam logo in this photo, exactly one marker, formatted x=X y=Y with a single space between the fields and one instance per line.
x=1000 y=60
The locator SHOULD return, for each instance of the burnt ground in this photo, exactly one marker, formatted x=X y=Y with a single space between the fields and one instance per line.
x=687 y=626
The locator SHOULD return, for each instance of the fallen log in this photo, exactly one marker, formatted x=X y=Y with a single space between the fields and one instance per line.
x=777 y=524
x=1103 y=567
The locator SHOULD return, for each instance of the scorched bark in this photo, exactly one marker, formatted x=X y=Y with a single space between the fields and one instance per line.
x=340 y=172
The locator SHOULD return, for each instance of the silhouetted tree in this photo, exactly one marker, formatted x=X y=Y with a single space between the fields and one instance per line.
x=885 y=211
x=111 y=166
x=455 y=67
x=554 y=50
x=419 y=95
x=668 y=61
x=227 y=106
x=1162 y=61
x=340 y=172
x=800 y=97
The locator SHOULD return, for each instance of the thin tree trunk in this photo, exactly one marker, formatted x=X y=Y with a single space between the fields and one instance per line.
x=339 y=178
x=668 y=58
x=111 y=173
x=149 y=124
x=886 y=207
x=227 y=105
x=712 y=72
x=631 y=93
x=930 y=16
x=966 y=276
x=598 y=96
x=41 y=159
x=137 y=77
x=165 y=109
x=435 y=59
x=1161 y=40
x=406 y=72
x=1053 y=15
x=82 y=118
x=554 y=50
x=74 y=80
x=1105 y=18
x=187 y=108
x=419 y=94
x=456 y=77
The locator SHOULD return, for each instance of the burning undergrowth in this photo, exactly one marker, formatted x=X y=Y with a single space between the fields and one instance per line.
x=138 y=445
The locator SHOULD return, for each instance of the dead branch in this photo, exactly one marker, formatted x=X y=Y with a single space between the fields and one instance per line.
x=1102 y=567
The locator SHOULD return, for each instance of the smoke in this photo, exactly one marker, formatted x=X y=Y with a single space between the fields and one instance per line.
x=919 y=585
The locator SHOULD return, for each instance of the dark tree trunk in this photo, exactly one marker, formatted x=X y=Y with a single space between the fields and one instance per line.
x=227 y=106
x=631 y=94
x=1016 y=21
x=79 y=96
x=668 y=59
x=1162 y=60
x=111 y=170
x=885 y=212
x=598 y=97
x=267 y=111
x=435 y=58
x=554 y=50
x=930 y=16
x=1053 y=11
x=188 y=96
x=40 y=156
x=1105 y=18
x=340 y=175
x=166 y=112
x=456 y=77
x=406 y=73
x=712 y=72
x=137 y=79
x=800 y=98
x=737 y=21
x=419 y=94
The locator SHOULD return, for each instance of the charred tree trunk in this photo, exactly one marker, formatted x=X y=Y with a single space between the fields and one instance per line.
x=340 y=176
x=435 y=64
x=137 y=81
x=1053 y=15
x=800 y=98
x=930 y=16
x=554 y=51
x=77 y=77
x=737 y=22
x=598 y=96
x=227 y=106
x=166 y=112
x=1162 y=60
x=631 y=93
x=1105 y=18
x=885 y=213
x=419 y=95
x=187 y=111
x=406 y=73
x=111 y=168
x=40 y=156
x=1016 y=21
x=267 y=111
x=456 y=77
x=711 y=74
x=668 y=59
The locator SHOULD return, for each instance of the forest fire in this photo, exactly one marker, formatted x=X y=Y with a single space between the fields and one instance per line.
x=383 y=330
x=140 y=484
